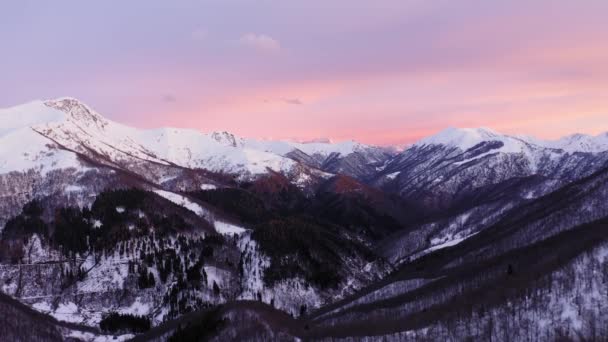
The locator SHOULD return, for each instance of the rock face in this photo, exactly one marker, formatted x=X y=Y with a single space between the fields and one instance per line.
x=170 y=224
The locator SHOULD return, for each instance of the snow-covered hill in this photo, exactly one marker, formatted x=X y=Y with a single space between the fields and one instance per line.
x=442 y=169
x=85 y=131
x=68 y=124
x=22 y=148
x=466 y=138
x=581 y=143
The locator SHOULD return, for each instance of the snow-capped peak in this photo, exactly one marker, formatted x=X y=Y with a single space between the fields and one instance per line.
x=27 y=115
x=343 y=148
x=22 y=148
x=317 y=140
x=227 y=139
x=463 y=138
x=78 y=112
x=582 y=143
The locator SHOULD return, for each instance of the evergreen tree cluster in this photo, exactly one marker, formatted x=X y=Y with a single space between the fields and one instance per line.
x=146 y=278
x=115 y=217
x=27 y=223
x=300 y=247
x=201 y=329
x=124 y=323
x=304 y=236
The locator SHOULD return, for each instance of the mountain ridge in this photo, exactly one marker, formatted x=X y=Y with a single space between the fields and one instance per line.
x=165 y=221
x=460 y=137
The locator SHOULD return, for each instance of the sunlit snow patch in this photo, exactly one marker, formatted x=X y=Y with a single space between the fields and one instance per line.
x=393 y=175
x=182 y=201
x=228 y=228
x=208 y=187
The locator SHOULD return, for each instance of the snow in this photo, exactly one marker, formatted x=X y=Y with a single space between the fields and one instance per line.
x=253 y=272
x=36 y=154
x=26 y=115
x=570 y=313
x=138 y=308
x=479 y=156
x=109 y=274
x=10 y=288
x=448 y=243
x=120 y=210
x=581 y=143
x=87 y=336
x=393 y=175
x=228 y=228
x=76 y=126
x=67 y=312
x=42 y=307
x=34 y=251
x=311 y=148
x=166 y=179
x=454 y=234
x=220 y=226
x=208 y=187
x=84 y=130
x=73 y=188
x=183 y=201
x=343 y=148
x=465 y=138
x=217 y=275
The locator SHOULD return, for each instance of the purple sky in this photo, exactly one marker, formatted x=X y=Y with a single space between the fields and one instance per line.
x=382 y=72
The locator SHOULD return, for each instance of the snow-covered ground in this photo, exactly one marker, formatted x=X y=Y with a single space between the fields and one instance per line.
x=228 y=228
x=184 y=202
x=89 y=337
x=465 y=138
x=221 y=227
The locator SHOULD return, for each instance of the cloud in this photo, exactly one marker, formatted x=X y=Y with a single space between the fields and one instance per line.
x=169 y=98
x=293 y=101
x=260 y=42
x=290 y=101
x=199 y=34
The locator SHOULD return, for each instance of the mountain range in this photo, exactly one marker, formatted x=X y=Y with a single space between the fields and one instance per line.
x=109 y=231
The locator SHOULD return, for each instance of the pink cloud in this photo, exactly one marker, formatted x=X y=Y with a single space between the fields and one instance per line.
x=260 y=42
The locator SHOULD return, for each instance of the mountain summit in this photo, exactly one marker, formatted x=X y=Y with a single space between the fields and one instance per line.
x=465 y=138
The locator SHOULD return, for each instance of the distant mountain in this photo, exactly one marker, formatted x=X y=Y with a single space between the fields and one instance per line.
x=67 y=142
x=466 y=138
x=444 y=169
x=73 y=126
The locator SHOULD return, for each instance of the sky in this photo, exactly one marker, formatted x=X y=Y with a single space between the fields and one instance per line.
x=381 y=72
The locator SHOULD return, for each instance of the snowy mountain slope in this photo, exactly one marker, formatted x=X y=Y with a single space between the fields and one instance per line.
x=310 y=148
x=86 y=131
x=32 y=166
x=466 y=138
x=581 y=143
x=528 y=295
x=348 y=157
x=483 y=209
x=538 y=255
x=441 y=170
x=23 y=149
x=77 y=127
